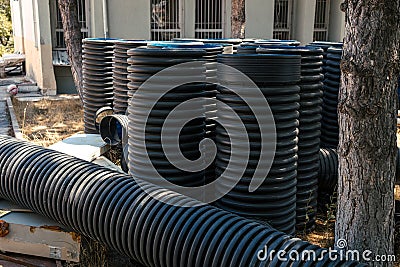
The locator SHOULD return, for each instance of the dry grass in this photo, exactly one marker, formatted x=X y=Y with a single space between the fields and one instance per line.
x=323 y=235
x=47 y=122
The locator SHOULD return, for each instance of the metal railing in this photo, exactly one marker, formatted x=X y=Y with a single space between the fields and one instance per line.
x=210 y=19
x=59 y=42
x=283 y=13
x=321 y=22
x=166 y=19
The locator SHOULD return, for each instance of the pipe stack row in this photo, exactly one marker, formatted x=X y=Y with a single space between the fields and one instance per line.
x=330 y=124
x=120 y=73
x=210 y=87
x=309 y=130
x=147 y=151
x=275 y=200
x=97 y=79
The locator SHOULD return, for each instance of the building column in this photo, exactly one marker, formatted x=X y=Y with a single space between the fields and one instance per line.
x=259 y=19
x=188 y=8
x=96 y=25
x=18 y=28
x=47 y=83
x=336 y=22
x=228 y=19
x=303 y=20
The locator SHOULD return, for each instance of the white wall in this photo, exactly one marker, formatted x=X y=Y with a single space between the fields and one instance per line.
x=303 y=20
x=259 y=18
x=31 y=21
x=129 y=19
x=336 y=22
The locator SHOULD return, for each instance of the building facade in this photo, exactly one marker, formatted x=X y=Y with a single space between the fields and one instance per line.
x=39 y=35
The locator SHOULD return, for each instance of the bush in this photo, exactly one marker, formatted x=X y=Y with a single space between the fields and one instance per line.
x=6 y=33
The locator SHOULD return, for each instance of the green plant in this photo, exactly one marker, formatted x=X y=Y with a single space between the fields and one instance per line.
x=6 y=30
x=331 y=208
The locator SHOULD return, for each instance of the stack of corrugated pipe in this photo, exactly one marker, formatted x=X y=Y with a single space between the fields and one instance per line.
x=230 y=45
x=146 y=148
x=97 y=79
x=325 y=46
x=309 y=130
x=329 y=122
x=120 y=73
x=115 y=210
x=330 y=125
x=251 y=47
x=277 y=77
x=210 y=58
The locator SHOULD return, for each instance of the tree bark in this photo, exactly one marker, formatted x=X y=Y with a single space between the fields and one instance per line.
x=73 y=40
x=367 y=121
x=238 y=18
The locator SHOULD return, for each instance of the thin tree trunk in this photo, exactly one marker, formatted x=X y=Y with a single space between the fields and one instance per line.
x=73 y=39
x=238 y=18
x=367 y=121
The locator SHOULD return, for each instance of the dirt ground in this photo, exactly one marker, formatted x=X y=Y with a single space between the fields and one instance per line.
x=46 y=122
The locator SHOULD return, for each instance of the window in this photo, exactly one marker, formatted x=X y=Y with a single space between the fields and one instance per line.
x=209 y=19
x=283 y=19
x=321 y=22
x=166 y=17
x=58 y=36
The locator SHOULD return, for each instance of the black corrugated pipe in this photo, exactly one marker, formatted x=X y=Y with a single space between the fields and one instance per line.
x=114 y=209
x=327 y=177
x=120 y=73
x=114 y=131
x=97 y=79
x=325 y=46
x=210 y=58
x=309 y=129
x=150 y=107
x=275 y=200
x=251 y=47
x=330 y=124
x=229 y=48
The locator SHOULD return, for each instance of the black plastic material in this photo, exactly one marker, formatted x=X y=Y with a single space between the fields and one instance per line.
x=113 y=209
x=309 y=129
x=120 y=73
x=275 y=201
x=147 y=62
x=97 y=79
x=330 y=125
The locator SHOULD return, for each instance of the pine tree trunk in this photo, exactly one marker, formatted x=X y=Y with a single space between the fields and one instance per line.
x=367 y=121
x=238 y=18
x=73 y=39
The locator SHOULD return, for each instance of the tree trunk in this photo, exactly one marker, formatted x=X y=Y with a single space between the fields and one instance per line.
x=73 y=39
x=238 y=18
x=367 y=120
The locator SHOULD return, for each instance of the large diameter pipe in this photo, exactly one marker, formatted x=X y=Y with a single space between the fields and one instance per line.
x=114 y=209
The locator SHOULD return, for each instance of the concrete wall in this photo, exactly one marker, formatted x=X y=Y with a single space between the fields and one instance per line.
x=303 y=20
x=129 y=19
x=18 y=30
x=336 y=22
x=31 y=21
x=228 y=19
x=259 y=18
